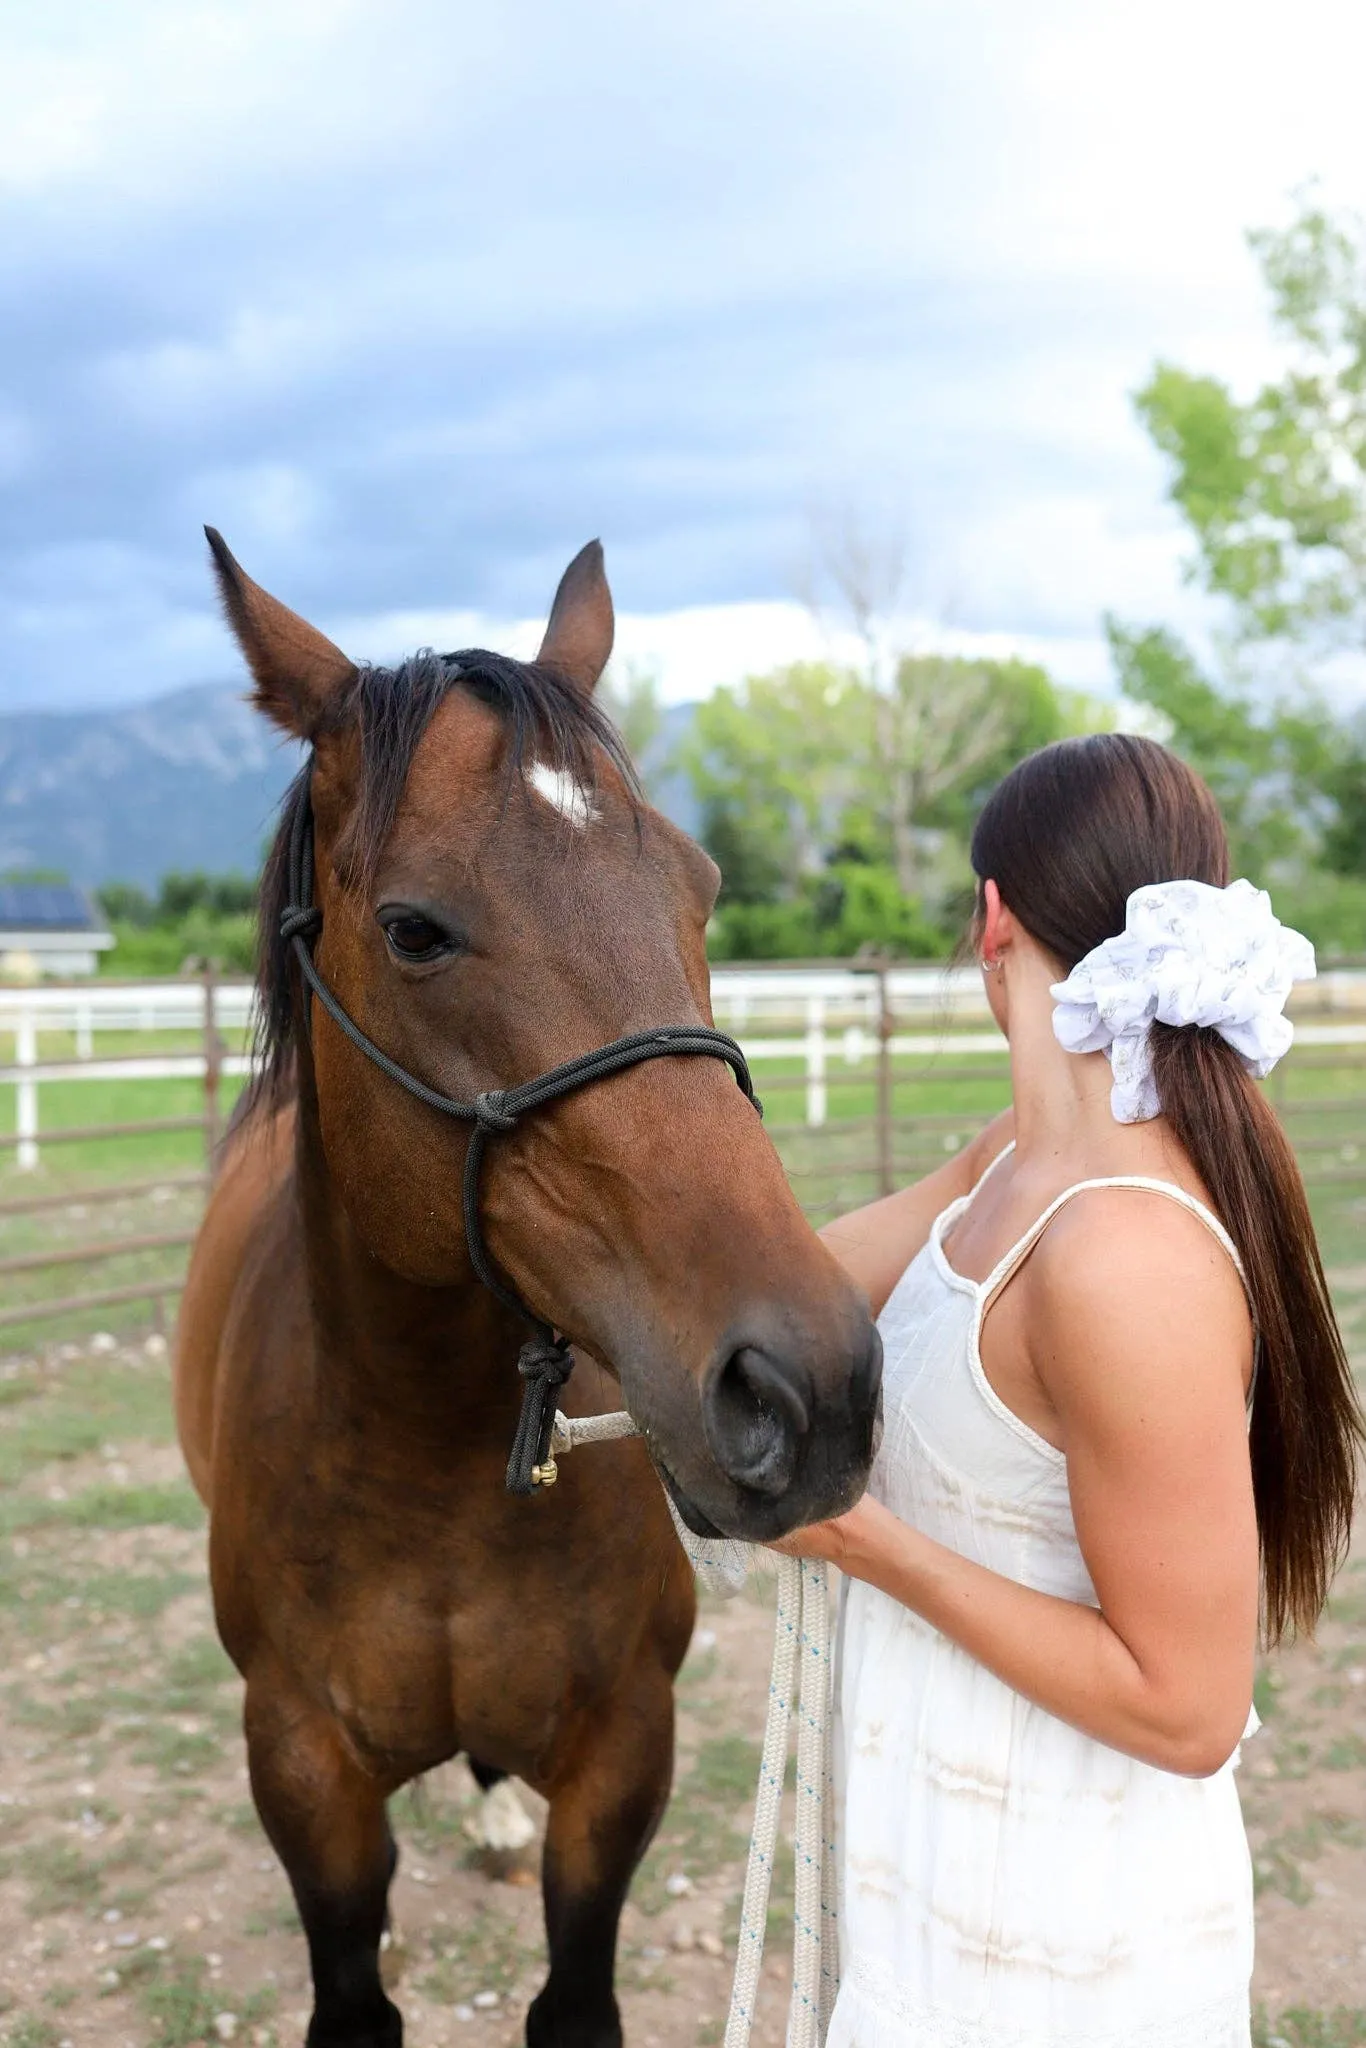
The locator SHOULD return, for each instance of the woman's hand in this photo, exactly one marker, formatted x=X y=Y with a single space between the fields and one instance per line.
x=839 y=1540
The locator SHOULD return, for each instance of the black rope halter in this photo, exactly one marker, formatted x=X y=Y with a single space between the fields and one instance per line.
x=545 y=1361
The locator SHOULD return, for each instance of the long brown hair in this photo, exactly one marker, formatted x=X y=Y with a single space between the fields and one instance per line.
x=1067 y=837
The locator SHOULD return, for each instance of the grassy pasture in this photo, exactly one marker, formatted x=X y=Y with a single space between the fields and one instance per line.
x=138 y=1900
x=139 y=1903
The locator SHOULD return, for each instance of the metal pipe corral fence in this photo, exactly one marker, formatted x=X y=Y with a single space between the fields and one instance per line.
x=872 y=1074
x=75 y=1009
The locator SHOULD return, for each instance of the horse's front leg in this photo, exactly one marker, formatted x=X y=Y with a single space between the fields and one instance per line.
x=602 y=1816
x=326 y=1819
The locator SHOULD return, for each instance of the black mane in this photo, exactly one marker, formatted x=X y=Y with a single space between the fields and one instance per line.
x=544 y=713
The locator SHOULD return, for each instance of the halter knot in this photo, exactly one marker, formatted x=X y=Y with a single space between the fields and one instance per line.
x=545 y=1363
x=300 y=923
x=491 y=1114
x=546 y=1358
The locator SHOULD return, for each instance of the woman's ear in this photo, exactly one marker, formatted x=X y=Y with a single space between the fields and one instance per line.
x=997 y=926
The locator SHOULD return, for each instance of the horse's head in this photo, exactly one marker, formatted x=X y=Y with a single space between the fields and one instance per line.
x=496 y=899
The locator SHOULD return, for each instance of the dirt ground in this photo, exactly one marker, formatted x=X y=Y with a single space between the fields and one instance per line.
x=140 y=1906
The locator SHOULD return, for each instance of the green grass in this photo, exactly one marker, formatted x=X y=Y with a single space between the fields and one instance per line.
x=1265 y=1686
x=62 y=1045
x=485 y=1952
x=281 y=1918
x=1276 y=1866
x=195 y=1675
x=60 y=1879
x=1298 y=2027
x=73 y=1413
x=707 y=1824
x=178 y=1751
x=180 y=2004
x=176 y=1506
x=76 y=1105
x=31 y=2031
x=1346 y=1753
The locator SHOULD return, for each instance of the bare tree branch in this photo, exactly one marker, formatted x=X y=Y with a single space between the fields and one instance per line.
x=935 y=721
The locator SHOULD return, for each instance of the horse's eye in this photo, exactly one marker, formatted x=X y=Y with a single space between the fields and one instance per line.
x=416 y=938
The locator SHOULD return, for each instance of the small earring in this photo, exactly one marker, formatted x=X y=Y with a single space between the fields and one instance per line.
x=990 y=966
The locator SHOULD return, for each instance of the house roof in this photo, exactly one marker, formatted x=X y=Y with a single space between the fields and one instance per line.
x=45 y=907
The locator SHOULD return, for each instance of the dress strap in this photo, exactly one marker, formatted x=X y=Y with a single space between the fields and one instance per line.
x=1019 y=1252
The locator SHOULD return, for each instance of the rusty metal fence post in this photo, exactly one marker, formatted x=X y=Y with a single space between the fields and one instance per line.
x=885 y=1028
x=213 y=1067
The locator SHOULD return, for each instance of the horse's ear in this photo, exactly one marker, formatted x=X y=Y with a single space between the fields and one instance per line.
x=298 y=672
x=578 y=639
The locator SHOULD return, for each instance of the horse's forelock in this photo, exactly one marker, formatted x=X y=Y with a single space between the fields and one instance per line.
x=546 y=716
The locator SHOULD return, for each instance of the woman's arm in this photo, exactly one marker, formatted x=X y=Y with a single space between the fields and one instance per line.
x=875 y=1244
x=1142 y=1344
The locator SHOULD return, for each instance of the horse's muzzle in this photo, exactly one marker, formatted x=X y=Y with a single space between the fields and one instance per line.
x=788 y=1449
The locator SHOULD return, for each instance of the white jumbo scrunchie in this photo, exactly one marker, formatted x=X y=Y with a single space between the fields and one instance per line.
x=1188 y=954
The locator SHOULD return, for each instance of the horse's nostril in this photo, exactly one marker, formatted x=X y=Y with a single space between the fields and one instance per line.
x=867 y=1381
x=755 y=1414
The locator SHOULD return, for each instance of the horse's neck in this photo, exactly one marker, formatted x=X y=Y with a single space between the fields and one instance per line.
x=439 y=1357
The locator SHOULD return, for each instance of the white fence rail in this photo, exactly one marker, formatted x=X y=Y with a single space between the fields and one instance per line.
x=744 y=998
x=818 y=1017
x=740 y=996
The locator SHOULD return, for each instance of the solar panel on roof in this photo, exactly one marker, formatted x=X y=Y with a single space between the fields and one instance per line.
x=45 y=906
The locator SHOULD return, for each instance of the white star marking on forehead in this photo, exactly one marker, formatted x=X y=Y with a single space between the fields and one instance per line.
x=558 y=788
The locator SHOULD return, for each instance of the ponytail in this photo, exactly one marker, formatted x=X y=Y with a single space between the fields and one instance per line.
x=1306 y=1422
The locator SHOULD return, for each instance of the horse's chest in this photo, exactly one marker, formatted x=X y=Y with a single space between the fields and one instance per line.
x=383 y=1669
x=413 y=1671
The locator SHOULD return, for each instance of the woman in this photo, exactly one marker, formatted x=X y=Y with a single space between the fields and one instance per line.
x=1117 y=1410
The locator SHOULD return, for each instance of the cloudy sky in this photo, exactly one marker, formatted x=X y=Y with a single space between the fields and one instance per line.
x=410 y=297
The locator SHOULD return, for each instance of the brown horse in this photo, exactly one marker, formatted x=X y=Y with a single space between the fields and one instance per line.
x=494 y=898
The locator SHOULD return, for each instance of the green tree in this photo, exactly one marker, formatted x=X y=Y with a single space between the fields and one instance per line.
x=218 y=895
x=777 y=762
x=751 y=850
x=1273 y=488
x=126 y=903
x=1344 y=841
x=808 y=814
x=1269 y=764
x=942 y=729
x=193 y=917
x=1028 y=711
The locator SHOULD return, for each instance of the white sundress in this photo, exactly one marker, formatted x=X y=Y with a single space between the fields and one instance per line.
x=1005 y=1881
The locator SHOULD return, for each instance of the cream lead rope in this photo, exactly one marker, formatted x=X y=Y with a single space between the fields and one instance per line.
x=800 y=1681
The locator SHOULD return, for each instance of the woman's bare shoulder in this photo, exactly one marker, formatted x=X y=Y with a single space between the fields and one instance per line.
x=1129 y=1277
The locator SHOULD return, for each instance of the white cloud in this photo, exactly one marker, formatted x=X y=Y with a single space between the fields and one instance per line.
x=693 y=650
x=409 y=296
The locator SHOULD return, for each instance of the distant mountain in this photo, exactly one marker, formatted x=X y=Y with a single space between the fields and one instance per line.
x=188 y=781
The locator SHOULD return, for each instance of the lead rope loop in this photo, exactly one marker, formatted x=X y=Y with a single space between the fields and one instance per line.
x=800 y=1681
